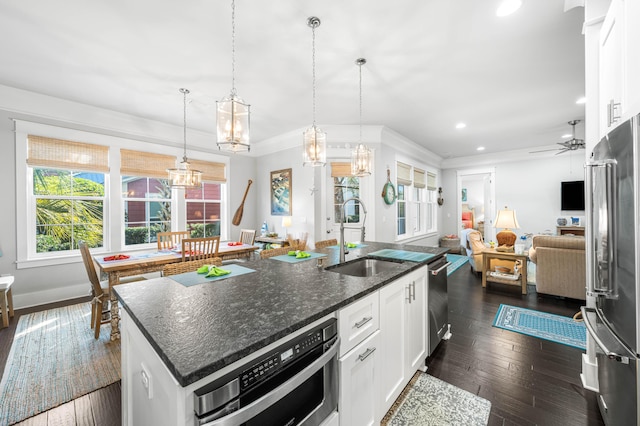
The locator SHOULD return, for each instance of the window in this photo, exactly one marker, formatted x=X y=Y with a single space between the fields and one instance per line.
x=147 y=209
x=203 y=210
x=345 y=186
x=69 y=207
x=416 y=202
x=73 y=185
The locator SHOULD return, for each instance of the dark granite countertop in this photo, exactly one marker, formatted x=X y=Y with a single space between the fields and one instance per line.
x=200 y=329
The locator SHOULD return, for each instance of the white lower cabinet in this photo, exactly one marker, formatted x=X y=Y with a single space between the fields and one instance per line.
x=359 y=372
x=403 y=333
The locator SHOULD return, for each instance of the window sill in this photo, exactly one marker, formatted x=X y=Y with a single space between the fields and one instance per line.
x=416 y=237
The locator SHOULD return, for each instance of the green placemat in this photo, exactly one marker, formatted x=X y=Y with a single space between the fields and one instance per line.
x=293 y=259
x=412 y=256
x=193 y=278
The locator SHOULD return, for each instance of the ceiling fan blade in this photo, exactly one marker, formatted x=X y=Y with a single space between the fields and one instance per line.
x=543 y=150
x=563 y=150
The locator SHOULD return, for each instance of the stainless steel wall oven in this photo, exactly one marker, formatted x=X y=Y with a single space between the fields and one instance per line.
x=294 y=384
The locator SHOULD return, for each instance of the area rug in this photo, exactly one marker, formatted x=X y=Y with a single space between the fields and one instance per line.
x=427 y=400
x=554 y=328
x=55 y=359
x=456 y=262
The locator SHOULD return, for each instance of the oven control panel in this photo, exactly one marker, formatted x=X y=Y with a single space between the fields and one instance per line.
x=273 y=362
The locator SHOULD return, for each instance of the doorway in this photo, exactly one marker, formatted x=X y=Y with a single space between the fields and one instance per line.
x=476 y=201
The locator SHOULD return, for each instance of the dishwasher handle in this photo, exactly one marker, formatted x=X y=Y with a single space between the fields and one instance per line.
x=265 y=401
x=437 y=271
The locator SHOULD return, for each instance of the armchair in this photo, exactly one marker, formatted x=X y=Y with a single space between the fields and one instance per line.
x=560 y=265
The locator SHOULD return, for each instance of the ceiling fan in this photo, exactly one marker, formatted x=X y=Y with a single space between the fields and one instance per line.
x=568 y=145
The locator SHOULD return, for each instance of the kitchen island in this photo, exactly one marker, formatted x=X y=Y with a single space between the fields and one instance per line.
x=197 y=332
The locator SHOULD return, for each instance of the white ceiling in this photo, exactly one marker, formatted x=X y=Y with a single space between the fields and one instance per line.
x=430 y=64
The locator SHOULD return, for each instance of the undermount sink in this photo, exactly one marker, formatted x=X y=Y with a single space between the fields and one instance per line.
x=363 y=267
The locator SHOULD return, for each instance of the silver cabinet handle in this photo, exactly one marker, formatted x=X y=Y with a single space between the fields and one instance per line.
x=412 y=290
x=366 y=354
x=408 y=290
x=437 y=271
x=265 y=401
x=362 y=322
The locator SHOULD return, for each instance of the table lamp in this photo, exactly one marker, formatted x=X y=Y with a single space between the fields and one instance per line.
x=286 y=223
x=506 y=219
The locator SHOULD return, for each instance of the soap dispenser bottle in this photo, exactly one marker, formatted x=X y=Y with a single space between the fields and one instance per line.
x=265 y=229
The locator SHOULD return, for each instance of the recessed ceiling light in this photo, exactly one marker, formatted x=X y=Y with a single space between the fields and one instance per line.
x=460 y=126
x=582 y=100
x=565 y=136
x=507 y=7
x=480 y=148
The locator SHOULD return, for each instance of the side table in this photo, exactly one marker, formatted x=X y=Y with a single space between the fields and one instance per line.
x=489 y=254
x=6 y=299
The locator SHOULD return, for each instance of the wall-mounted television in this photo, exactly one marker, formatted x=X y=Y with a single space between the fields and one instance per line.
x=572 y=195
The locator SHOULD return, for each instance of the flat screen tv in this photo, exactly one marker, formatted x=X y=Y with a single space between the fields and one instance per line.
x=572 y=195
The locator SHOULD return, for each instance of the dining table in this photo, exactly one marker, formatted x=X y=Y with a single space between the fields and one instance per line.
x=120 y=266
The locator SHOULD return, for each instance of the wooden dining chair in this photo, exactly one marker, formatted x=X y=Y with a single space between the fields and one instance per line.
x=189 y=266
x=200 y=248
x=169 y=240
x=247 y=236
x=264 y=254
x=298 y=243
x=326 y=243
x=99 y=289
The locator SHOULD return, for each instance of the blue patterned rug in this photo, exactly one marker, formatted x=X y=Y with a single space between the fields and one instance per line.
x=456 y=262
x=554 y=328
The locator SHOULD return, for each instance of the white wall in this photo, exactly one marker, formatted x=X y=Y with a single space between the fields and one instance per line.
x=530 y=186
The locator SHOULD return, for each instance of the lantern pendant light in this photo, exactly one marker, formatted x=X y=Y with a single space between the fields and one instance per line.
x=183 y=176
x=232 y=113
x=314 y=139
x=361 y=156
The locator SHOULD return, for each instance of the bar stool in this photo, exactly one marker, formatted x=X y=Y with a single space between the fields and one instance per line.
x=6 y=299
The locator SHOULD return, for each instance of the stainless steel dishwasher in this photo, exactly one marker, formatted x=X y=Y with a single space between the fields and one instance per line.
x=438 y=303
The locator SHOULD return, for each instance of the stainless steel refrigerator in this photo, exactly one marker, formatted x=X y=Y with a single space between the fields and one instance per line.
x=612 y=263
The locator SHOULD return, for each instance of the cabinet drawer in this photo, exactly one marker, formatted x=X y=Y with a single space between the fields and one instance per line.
x=357 y=321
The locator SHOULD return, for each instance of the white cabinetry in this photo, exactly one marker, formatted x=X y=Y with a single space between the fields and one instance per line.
x=403 y=332
x=375 y=365
x=359 y=371
x=619 y=69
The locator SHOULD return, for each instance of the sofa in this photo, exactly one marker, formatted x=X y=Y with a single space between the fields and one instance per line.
x=560 y=265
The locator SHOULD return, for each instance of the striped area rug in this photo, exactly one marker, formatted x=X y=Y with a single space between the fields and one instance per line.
x=55 y=359
x=456 y=262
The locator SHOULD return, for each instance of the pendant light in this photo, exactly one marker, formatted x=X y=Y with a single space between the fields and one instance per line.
x=232 y=113
x=361 y=156
x=314 y=139
x=183 y=176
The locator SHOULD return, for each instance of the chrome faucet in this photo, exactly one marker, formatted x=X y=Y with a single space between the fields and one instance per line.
x=343 y=249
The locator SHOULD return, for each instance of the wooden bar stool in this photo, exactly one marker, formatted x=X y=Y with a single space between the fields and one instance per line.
x=6 y=299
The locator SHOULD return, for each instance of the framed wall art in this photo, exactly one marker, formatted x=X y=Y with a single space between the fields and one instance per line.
x=281 y=192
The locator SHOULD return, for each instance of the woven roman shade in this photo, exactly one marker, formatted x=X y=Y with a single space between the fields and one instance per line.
x=431 y=182
x=145 y=164
x=211 y=172
x=339 y=169
x=418 y=178
x=404 y=174
x=62 y=154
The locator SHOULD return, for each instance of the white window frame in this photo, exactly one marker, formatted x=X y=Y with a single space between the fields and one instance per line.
x=114 y=208
x=427 y=204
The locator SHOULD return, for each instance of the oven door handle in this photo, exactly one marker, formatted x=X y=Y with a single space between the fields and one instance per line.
x=265 y=401
x=443 y=267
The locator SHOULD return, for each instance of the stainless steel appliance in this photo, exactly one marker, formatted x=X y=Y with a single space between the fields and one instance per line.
x=612 y=263
x=294 y=384
x=438 y=302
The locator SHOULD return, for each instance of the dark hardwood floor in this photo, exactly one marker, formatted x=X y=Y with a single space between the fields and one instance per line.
x=529 y=381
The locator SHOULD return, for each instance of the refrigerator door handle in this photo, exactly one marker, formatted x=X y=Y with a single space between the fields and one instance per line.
x=589 y=315
x=601 y=213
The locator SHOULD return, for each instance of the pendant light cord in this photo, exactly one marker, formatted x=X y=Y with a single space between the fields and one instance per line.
x=360 y=68
x=184 y=122
x=233 y=48
x=313 y=69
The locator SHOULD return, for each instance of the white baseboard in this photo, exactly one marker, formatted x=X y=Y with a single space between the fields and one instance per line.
x=42 y=297
x=589 y=375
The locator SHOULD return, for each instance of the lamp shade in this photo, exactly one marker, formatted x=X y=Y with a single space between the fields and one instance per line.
x=286 y=221
x=506 y=219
